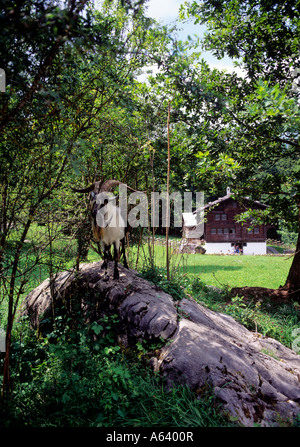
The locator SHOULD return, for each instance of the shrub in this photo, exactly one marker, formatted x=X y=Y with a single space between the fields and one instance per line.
x=158 y=276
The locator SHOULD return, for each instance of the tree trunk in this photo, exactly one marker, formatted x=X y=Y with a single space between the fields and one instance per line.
x=291 y=289
x=293 y=280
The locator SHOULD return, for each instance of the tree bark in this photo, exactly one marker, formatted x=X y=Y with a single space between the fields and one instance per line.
x=293 y=280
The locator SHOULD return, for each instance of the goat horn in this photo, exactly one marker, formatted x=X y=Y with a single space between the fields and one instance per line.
x=88 y=189
x=109 y=184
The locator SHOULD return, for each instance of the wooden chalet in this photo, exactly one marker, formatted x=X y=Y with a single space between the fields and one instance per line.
x=222 y=234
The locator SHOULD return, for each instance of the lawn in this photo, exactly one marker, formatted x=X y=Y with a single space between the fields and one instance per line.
x=233 y=271
x=238 y=271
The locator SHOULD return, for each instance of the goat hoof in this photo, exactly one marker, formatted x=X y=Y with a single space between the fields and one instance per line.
x=106 y=277
x=104 y=265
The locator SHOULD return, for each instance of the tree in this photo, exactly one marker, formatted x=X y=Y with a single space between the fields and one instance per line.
x=32 y=164
x=256 y=118
x=64 y=69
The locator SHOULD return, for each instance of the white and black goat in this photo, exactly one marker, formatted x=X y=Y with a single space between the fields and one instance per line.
x=108 y=225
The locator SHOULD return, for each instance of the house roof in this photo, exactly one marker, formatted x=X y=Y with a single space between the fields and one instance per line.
x=190 y=219
x=228 y=196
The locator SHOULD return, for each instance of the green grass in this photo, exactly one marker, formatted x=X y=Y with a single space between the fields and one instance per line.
x=229 y=271
x=215 y=270
x=238 y=271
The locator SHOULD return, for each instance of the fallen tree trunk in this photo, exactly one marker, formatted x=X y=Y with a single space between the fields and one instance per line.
x=256 y=378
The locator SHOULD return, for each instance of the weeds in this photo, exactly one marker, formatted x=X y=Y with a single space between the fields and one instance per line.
x=67 y=378
x=174 y=287
x=276 y=321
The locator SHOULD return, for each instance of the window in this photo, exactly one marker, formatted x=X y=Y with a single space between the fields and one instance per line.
x=232 y=231
x=226 y=230
x=220 y=231
x=217 y=216
x=256 y=230
x=213 y=231
x=250 y=231
x=234 y=204
x=224 y=217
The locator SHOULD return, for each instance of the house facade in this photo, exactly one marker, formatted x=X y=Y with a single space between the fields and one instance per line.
x=223 y=235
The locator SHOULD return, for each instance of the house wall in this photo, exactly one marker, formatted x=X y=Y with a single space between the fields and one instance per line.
x=255 y=248
x=218 y=247
x=222 y=227
x=252 y=248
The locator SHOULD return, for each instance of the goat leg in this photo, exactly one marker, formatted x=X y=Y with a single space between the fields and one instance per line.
x=124 y=254
x=116 y=256
x=106 y=258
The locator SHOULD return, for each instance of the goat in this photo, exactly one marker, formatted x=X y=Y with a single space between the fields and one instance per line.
x=111 y=231
x=108 y=226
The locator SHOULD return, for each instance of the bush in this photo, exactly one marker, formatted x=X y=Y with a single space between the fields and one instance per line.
x=158 y=276
x=288 y=237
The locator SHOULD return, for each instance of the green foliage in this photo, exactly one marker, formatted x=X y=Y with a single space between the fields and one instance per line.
x=78 y=375
x=256 y=117
x=253 y=120
x=74 y=111
x=272 y=101
x=209 y=296
x=158 y=276
x=70 y=98
x=70 y=378
x=224 y=167
x=255 y=32
x=288 y=237
x=276 y=323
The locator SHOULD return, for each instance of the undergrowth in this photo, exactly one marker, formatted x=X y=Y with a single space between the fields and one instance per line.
x=158 y=276
x=77 y=375
x=272 y=320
